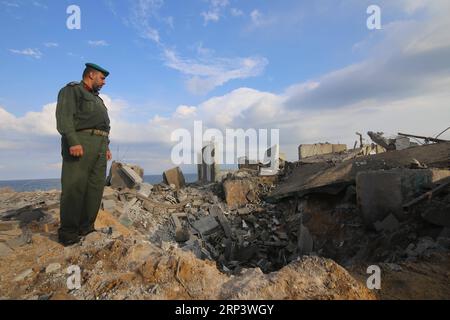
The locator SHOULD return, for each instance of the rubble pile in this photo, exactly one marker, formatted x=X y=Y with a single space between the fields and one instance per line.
x=385 y=205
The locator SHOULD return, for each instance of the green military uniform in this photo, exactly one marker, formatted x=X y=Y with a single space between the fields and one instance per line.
x=83 y=178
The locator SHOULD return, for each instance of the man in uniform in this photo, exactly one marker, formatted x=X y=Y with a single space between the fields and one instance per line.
x=83 y=122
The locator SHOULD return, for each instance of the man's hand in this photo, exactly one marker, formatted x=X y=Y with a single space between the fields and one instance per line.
x=76 y=151
x=108 y=155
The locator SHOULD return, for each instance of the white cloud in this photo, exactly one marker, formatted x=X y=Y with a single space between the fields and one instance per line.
x=185 y=111
x=205 y=75
x=215 y=11
x=10 y=4
x=34 y=53
x=141 y=13
x=51 y=44
x=236 y=12
x=98 y=43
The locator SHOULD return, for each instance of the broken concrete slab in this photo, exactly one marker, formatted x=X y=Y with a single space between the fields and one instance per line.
x=109 y=205
x=109 y=193
x=181 y=234
x=216 y=212
x=389 y=224
x=118 y=179
x=329 y=178
x=238 y=192
x=309 y=150
x=132 y=175
x=174 y=176
x=206 y=225
x=52 y=267
x=144 y=189
x=379 y=193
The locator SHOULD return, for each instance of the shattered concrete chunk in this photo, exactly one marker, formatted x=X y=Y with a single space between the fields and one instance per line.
x=310 y=150
x=118 y=179
x=215 y=211
x=181 y=234
x=206 y=225
x=237 y=192
x=134 y=177
x=174 y=176
x=52 y=267
x=109 y=205
x=379 y=193
x=144 y=189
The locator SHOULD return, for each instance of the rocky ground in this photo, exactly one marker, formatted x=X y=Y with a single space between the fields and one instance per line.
x=219 y=241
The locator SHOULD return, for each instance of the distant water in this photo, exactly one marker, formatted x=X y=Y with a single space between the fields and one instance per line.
x=55 y=184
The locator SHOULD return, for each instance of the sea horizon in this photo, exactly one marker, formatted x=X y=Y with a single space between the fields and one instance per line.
x=30 y=185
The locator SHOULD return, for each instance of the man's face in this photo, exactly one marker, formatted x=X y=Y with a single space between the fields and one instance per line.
x=98 y=80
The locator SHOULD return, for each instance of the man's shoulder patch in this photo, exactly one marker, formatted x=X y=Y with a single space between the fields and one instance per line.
x=73 y=83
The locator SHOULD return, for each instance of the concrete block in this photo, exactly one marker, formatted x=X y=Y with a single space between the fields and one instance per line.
x=181 y=234
x=132 y=175
x=309 y=150
x=118 y=178
x=206 y=225
x=144 y=189
x=174 y=176
x=109 y=205
x=236 y=192
x=52 y=267
x=216 y=212
x=379 y=194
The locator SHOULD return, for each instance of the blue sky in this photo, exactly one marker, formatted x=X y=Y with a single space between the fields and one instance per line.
x=310 y=68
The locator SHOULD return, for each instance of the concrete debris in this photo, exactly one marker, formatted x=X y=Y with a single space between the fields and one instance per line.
x=334 y=207
x=174 y=176
x=208 y=169
x=238 y=192
x=132 y=175
x=53 y=267
x=123 y=175
x=206 y=225
x=144 y=189
x=310 y=150
x=109 y=205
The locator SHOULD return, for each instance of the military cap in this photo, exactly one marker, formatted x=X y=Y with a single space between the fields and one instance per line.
x=98 y=68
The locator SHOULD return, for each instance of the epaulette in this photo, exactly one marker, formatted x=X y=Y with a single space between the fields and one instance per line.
x=73 y=83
